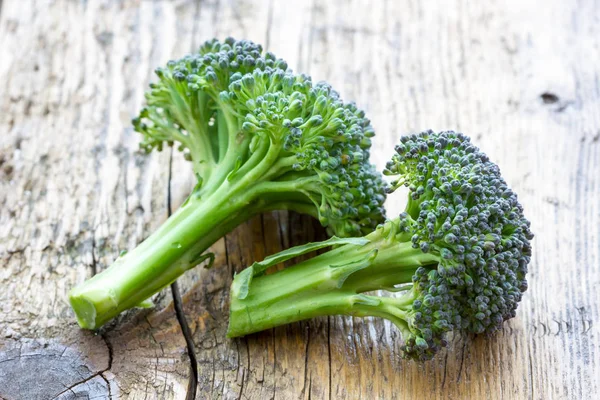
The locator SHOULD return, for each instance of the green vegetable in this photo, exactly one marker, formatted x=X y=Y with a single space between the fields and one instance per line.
x=259 y=138
x=457 y=257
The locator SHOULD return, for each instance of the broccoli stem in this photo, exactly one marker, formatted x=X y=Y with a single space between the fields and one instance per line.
x=178 y=245
x=322 y=286
x=260 y=315
x=160 y=259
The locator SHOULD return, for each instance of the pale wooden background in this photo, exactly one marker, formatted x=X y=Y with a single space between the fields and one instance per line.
x=521 y=77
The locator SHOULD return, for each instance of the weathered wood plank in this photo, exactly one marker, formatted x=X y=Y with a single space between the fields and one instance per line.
x=521 y=77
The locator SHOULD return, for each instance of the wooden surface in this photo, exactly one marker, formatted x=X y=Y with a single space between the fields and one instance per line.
x=521 y=77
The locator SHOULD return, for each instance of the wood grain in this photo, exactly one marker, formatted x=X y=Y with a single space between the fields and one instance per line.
x=520 y=77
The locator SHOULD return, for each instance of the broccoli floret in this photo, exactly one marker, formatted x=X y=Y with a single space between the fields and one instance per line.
x=259 y=138
x=457 y=256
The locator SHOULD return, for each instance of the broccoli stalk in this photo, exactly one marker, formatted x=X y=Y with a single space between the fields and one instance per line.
x=259 y=138
x=329 y=284
x=456 y=258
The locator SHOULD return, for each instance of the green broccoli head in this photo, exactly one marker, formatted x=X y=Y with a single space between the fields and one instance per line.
x=461 y=209
x=230 y=107
x=458 y=255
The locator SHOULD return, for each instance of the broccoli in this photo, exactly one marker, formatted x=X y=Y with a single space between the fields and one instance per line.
x=259 y=138
x=457 y=256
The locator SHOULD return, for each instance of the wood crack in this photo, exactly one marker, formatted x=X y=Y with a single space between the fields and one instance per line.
x=109 y=346
x=189 y=341
x=94 y=260
x=107 y=385
x=242 y=388
x=462 y=359
x=445 y=370
x=329 y=352
x=97 y=374
x=89 y=378
x=180 y=314
x=306 y=361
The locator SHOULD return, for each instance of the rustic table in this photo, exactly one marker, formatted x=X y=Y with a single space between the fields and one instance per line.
x=521 y=77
